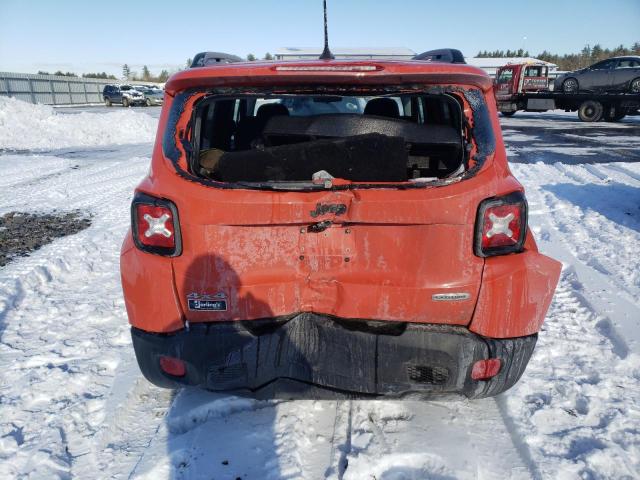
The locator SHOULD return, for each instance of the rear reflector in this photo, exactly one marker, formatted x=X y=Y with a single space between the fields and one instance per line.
x=173 y=366
x=485 y=369
x=501 y=225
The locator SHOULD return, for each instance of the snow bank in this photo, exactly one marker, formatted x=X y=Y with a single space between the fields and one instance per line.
x=25 y=126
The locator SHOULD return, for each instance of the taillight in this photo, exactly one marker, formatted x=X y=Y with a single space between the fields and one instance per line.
x=155 y=225
x=501 y=225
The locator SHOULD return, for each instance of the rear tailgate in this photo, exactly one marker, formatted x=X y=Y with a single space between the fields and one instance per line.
x=371 y=254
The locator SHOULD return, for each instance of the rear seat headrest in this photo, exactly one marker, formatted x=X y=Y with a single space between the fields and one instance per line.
x=269 y=110
x=383 y=107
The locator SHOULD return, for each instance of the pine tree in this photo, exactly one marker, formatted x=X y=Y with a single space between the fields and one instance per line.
x=596 y=53
x=268 y=56
x=586 y=51
x=251 y=57
x=572 y=61
x=188 y=63
x=126 y=72
x=146 y=74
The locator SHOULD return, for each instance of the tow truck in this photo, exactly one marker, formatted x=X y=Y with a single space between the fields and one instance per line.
x=525 y=86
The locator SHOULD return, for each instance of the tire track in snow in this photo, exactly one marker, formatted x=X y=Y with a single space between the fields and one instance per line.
x=443 y=438
x=344 y=439
x=17 y=172
x=302 y=438
x=627 y=173
x=262 y=439
x=574 y=405
x=340 y=440
x=579 y=176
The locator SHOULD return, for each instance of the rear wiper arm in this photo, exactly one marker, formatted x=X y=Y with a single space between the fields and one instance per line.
x=282 y=185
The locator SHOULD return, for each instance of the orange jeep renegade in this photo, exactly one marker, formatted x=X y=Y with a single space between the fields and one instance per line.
x=332 y=227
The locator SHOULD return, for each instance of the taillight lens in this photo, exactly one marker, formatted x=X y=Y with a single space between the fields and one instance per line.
x=501 y=225
x=155 y=225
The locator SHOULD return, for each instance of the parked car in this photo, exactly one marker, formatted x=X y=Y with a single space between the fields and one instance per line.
x=152 y=95
x=619 y=74
x=124 y=94
x=280 y=248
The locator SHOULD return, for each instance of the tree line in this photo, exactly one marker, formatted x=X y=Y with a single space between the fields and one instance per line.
x=502 y=53
x=571 y=61
x=145 y=75
x=252 y=58
x=60 y=73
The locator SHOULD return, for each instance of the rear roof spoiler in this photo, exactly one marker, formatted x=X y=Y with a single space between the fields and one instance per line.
x=205 y=59
x=442 y=55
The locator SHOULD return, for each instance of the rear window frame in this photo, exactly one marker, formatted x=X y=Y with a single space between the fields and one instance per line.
x=177 y=145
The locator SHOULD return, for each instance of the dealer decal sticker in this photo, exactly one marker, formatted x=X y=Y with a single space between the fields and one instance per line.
x=207 y=303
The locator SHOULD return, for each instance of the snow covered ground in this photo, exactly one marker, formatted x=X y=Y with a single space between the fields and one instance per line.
x=73 y=404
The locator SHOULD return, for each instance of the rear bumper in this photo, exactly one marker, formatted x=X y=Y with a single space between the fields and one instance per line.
x=312 y=356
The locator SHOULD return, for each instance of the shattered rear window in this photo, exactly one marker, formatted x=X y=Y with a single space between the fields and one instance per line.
x=298 y=139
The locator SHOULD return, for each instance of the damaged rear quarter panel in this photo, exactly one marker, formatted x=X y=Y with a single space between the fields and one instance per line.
x=515 y=295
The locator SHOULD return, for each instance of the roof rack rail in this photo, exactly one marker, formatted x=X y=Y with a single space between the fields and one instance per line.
x=442 y=55
x=204 y=59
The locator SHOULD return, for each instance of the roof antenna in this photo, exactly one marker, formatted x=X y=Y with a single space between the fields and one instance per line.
x=326 y=53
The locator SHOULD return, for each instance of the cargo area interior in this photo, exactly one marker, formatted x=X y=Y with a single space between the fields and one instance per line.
x=304 y=138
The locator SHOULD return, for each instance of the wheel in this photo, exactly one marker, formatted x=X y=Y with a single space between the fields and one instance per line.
x=570 y=85
x=125 y=102
x=614 y=114
x=634 y=86
x=148 y=102
x=107 y=101
x=508 y=114
x=590 y=111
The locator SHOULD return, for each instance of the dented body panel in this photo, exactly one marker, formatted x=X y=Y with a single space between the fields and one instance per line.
x=510 y=303
x=400 y=254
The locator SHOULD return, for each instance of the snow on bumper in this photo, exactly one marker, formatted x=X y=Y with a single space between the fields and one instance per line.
x=316 y=355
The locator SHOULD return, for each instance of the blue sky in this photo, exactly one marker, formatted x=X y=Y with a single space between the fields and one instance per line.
x=87 y=36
